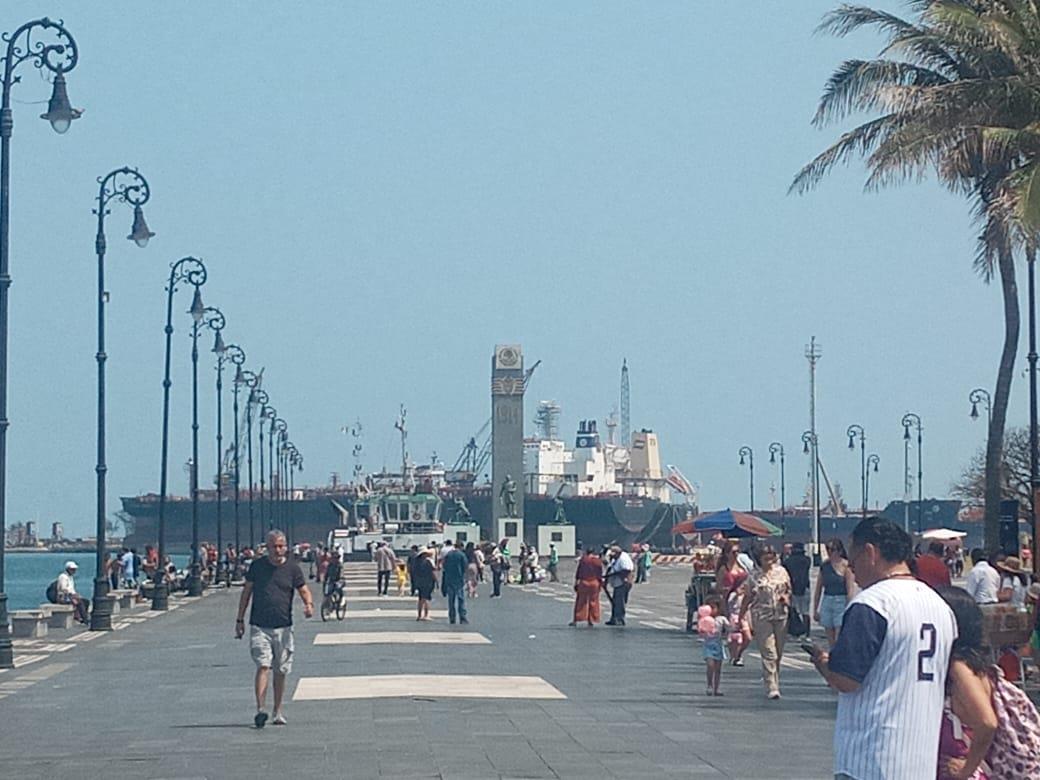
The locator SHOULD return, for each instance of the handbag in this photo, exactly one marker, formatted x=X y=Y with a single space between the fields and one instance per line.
x=796 y=624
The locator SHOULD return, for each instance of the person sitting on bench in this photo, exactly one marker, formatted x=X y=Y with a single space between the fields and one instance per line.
x=67 y=593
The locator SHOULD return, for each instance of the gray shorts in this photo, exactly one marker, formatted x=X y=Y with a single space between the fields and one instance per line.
x=272 y=648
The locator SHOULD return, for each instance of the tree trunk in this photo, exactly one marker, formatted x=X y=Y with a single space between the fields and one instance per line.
x=1005 y=373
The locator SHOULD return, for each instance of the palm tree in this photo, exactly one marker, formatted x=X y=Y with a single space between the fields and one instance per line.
x=958 y=94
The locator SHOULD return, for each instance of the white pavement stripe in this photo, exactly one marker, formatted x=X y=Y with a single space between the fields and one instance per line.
x=434 y=686
x=25 y=660
x=403 y=638
x=353 y=596
x=390 y=613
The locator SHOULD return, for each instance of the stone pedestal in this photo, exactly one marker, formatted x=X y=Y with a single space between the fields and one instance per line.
x=462 y=533
x=562 y=535
x=512 y=529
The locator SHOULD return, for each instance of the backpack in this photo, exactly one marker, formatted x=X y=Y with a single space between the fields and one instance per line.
x=52 y=592
x=1015 y=752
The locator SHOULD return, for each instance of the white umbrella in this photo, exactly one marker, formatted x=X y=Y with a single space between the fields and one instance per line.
x=943 y=534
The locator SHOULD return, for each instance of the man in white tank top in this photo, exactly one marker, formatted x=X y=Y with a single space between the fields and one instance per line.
x=889 y=664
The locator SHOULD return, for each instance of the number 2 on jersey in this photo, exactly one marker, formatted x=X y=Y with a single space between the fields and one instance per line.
x=926 y=654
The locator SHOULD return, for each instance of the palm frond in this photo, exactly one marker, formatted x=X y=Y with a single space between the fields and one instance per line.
x=857 y=142
x=848 y=18
x=857 y=85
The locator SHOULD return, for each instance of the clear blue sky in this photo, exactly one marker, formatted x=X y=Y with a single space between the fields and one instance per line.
x=383 y=191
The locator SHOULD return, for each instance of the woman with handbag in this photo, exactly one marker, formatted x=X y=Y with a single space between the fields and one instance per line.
x=767 y=599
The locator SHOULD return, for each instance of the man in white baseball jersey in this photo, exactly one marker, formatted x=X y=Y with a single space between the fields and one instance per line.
x=889 y=664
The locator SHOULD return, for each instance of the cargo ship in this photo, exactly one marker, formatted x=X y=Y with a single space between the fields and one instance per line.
x=609 y=492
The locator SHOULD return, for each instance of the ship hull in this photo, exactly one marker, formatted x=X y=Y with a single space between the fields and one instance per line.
x=598 y=520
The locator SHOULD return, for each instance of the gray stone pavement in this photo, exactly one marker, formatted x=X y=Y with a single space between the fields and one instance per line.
x=170 y=696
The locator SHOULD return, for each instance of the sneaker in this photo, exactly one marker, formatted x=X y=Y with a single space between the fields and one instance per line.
x=279 y=720
x=260 y=719
x=463 y=621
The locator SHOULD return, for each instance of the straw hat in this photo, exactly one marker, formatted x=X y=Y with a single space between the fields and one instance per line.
x=1034 y=591
x=1011 y=564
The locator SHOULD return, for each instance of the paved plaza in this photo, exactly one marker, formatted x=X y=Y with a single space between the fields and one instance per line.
x=514 y=694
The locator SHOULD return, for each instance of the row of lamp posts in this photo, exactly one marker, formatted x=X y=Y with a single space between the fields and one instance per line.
x=47 y=45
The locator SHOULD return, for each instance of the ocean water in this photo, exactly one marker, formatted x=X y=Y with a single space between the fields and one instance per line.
x=27 y=575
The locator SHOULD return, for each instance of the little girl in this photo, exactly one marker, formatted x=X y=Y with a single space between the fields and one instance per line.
x=712 y=628
x=402 y=577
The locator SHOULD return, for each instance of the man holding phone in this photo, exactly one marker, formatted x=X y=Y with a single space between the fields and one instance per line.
x=270 y=583
x=889 y=663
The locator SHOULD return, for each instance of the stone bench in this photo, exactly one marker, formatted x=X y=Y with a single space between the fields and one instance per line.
x=60 y=616
x=29 y=624
x=122 y=599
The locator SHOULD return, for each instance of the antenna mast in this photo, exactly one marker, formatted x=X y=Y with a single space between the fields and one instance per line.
x=813 y=354
x=626 y=420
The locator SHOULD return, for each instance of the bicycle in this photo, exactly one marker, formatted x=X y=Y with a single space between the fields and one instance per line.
x=334 y=603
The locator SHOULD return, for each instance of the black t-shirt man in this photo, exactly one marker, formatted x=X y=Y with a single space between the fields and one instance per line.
x=273 y=588
x=798 y=565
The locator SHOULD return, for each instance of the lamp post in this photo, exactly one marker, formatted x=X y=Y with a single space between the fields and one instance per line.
x=290 y=464
x=192 y=271
x=262 y=398
x=981 y=396
x=1033 y=433
x=296 y=462
x=125 y=185
x=215 y=320
x=852 y=432
x=57 y=53
x=809 y=443
x=198 y=315
x=872 y=463
x=251 y=381
x=911 y=420
x=277 y=427
x=237 y=356
x=745 y=452
x=776 y=448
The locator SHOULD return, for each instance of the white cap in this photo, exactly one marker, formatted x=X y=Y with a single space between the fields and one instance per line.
x=71 y=565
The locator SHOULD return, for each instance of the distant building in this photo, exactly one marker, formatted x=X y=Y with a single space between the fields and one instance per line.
x=57 y=532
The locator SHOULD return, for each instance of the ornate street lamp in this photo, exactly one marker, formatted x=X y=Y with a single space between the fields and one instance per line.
x=266 y=412
x=237 y=356
x=198 y=316
x=911 y=420
x=981 y=396
x=192 y=271
x=296 y=461
x=250 y=380
x=776 y=448
x=872 y=465
x=809 y=444
x=278 y=426
x=46 y=44
x=853 y=432
x=215 y=320
x=291 y=455
x=745 y=452
x=124 y=185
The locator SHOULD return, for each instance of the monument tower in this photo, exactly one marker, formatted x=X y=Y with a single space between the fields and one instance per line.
x=507 y=440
